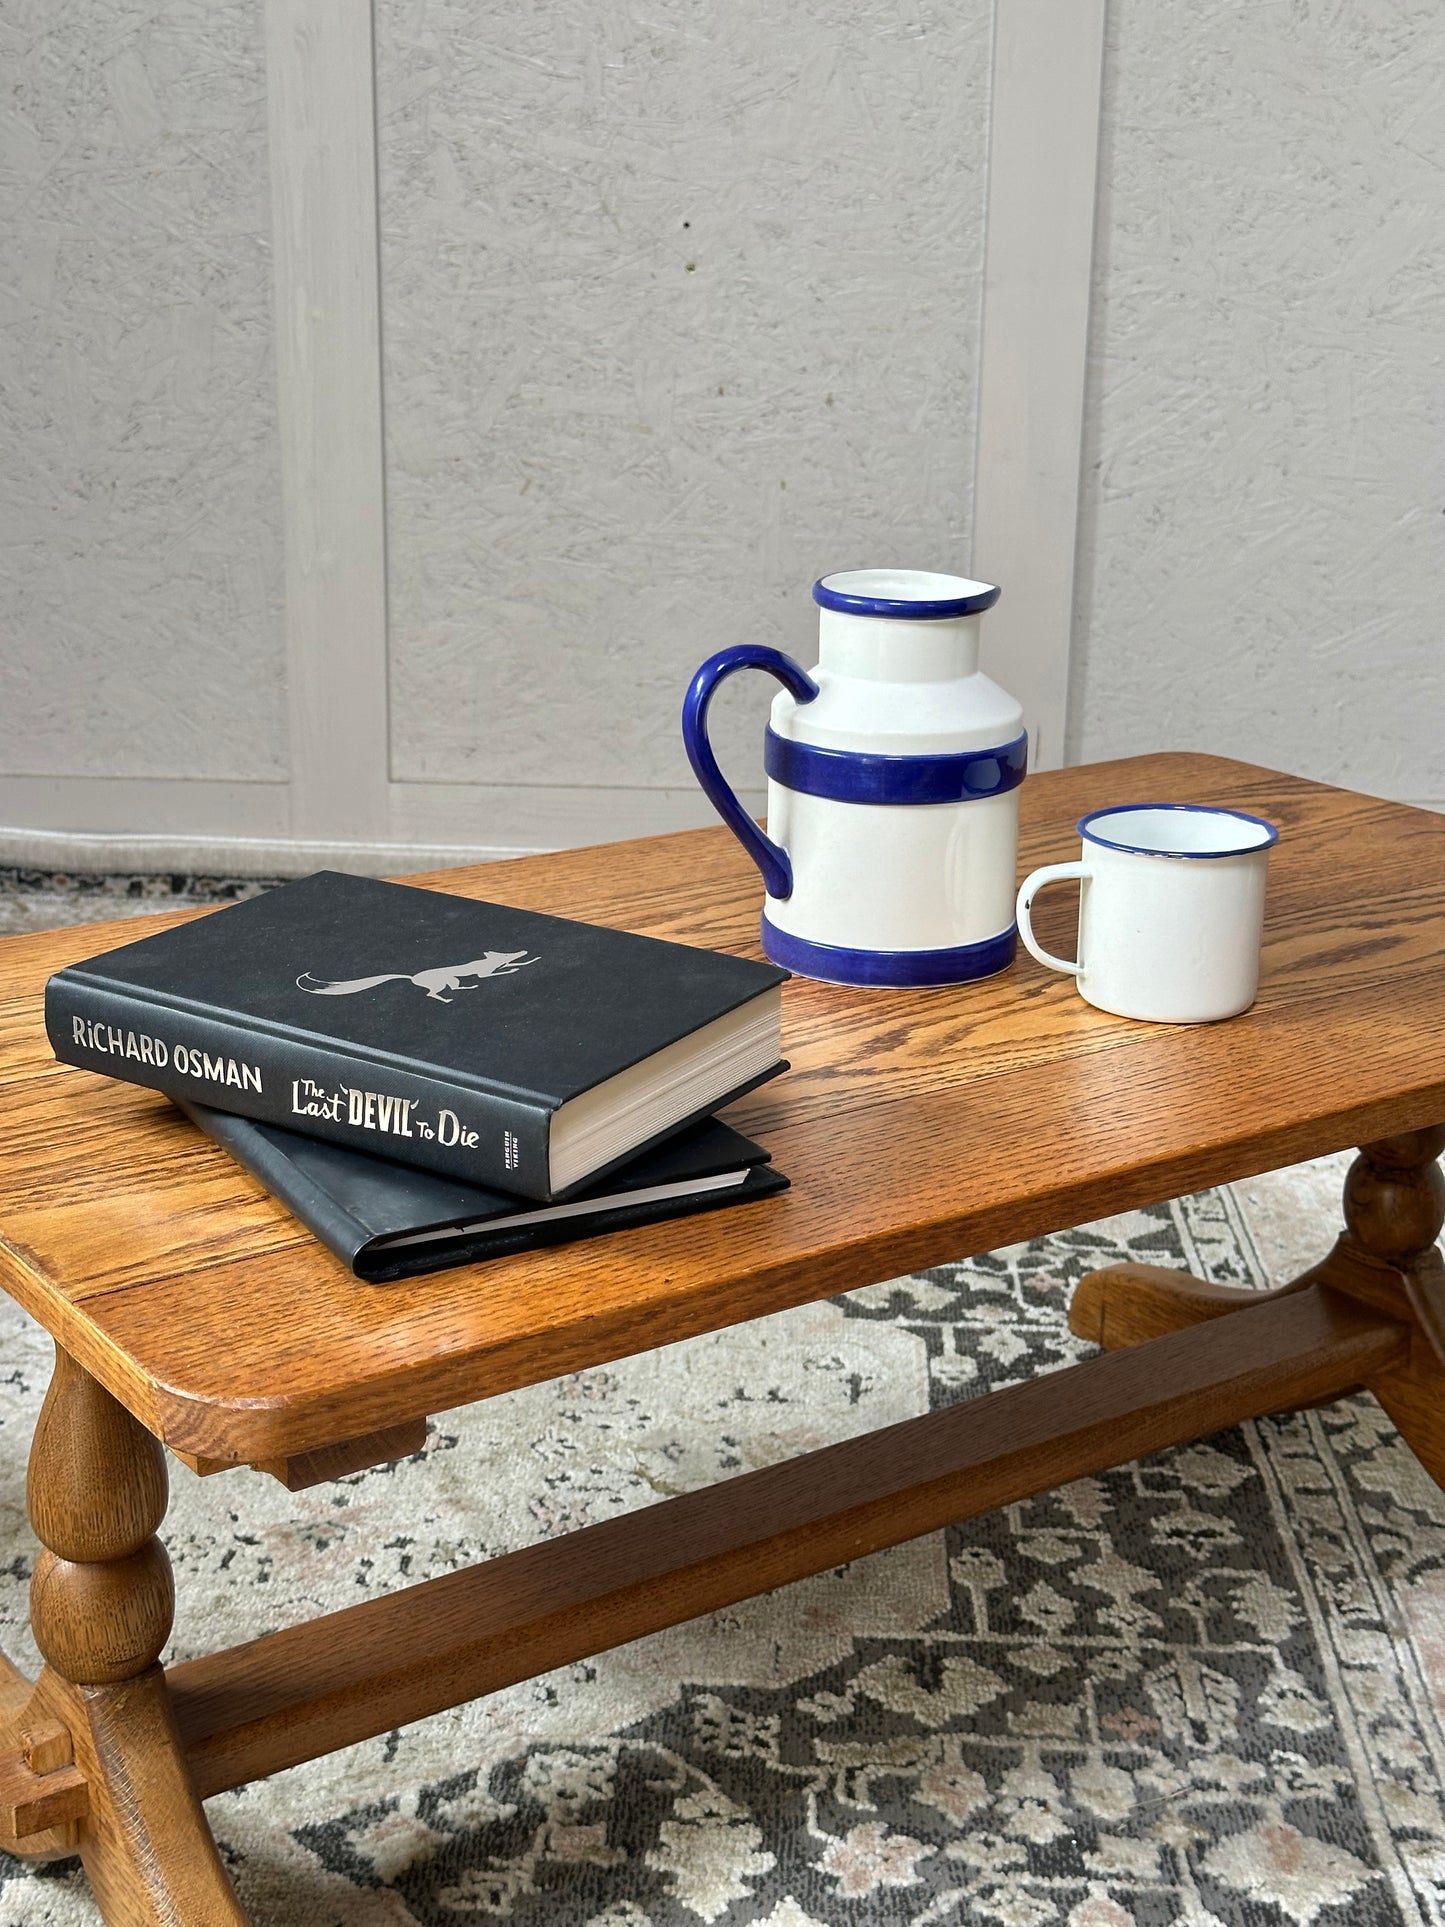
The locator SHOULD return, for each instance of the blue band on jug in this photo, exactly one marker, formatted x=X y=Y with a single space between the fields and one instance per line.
x=908 y=969
x=858 y=776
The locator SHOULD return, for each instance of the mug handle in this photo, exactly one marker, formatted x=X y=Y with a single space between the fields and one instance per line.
x=771 y=859
x=1028 y=890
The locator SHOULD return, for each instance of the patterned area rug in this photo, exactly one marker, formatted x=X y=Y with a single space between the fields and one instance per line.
x=1205 y=1689
x=46 y=899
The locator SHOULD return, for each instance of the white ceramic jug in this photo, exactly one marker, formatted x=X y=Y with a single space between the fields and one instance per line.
x=893 y=773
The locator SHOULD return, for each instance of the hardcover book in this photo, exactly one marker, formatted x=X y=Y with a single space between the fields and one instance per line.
x=507 y=1048
x=388 y=1220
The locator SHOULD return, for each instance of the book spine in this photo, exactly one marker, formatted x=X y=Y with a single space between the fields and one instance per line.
x=302 y=1086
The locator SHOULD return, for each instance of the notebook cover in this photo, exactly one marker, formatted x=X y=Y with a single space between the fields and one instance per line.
x=353 y=1201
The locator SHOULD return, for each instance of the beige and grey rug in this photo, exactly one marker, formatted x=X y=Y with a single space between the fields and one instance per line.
x=1207 y=1689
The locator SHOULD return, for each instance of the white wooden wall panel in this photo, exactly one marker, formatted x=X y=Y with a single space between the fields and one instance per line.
x=1263 y=551
x=681 y=310
x=140 y=524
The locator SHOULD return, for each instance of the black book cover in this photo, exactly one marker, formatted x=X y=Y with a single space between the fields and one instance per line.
x=417 y=1025
x=359 y=1205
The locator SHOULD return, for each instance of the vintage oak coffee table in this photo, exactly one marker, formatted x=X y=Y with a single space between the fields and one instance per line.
x=190 y=1312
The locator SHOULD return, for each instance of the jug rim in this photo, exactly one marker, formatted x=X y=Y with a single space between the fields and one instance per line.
x=903 y=595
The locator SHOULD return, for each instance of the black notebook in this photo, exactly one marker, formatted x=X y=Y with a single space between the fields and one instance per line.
x=388 y=1220
x=496 y=1045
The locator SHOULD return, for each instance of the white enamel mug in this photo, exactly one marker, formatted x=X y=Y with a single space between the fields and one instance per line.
x=1171 y=910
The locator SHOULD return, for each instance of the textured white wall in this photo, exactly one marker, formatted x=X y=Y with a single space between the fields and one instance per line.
x=140 y=565
x=1262 y=554
x=680 y=307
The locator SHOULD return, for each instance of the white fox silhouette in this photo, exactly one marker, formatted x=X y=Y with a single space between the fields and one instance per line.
x=492 y=963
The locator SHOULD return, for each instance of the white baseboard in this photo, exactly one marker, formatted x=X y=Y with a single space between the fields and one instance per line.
x=228 y=856
x=167 y=807
x=212 y=829
x=523 y=816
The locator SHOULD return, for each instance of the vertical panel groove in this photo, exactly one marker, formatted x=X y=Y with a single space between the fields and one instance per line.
x=321 y=85
x=1043 y=153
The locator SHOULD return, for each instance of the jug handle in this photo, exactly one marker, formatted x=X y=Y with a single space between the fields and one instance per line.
x=771 y=859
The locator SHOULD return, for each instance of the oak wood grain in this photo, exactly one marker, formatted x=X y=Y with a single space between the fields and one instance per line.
x=1127 y=1304
x=101 y=1602
x=149 y=1855
x=304 y=1469
x=917 y=1127
x=101 y=1593
x=15 y=1690
x=291 y=1695
x=1386 y=1258
x=40 y=1745
x=32 y=1802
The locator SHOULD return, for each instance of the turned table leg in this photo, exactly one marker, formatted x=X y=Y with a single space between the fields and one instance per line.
x=1394 y=1207
x=101 y=1604
x=1387 y=1256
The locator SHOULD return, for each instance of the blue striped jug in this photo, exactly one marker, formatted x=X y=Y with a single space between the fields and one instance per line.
x=893 y=774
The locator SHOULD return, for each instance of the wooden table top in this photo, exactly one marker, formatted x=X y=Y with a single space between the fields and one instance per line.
x=917 y=1126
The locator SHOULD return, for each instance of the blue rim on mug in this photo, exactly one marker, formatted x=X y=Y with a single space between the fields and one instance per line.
x=847 y=591
x=1265 y=842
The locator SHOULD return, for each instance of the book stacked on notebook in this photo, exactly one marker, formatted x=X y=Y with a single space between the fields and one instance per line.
x=394 y=1062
